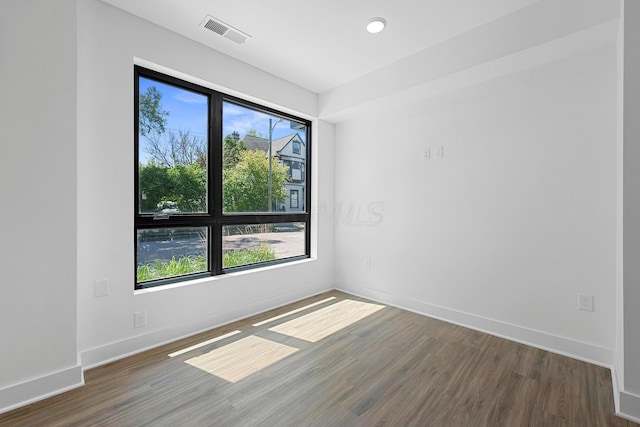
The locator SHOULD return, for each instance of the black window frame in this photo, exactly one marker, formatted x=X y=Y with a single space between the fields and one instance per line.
x=214 y=219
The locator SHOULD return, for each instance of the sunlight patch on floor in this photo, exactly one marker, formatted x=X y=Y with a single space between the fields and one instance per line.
x=323 y=322
x=289 y=313
x=241 y=358
x=203 y=343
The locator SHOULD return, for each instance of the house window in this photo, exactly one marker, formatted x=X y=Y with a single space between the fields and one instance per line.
x=296 y=147
x=296 y=171
x=210 y=183
x=293 y=198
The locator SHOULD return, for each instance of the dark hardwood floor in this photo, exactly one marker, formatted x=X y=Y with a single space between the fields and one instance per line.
x=343 y=361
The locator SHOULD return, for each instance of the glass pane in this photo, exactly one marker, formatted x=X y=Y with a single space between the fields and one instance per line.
x=264 y=158
x=173 y=149
x=171 y=252
x=251 y=244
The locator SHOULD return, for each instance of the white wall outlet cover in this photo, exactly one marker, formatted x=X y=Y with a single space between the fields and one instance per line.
x=585 y=302
x=139 y=319
x=101 y=288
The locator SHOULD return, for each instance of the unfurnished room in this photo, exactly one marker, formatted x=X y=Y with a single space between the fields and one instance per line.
x=356 y=213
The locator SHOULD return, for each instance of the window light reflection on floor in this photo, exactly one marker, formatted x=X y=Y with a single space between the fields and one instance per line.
x=203 y=343
x=239 y=359
x=289 y=313
x=323 y=322
x=248 y=355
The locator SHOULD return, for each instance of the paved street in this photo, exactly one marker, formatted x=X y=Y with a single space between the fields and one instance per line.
x=284 y=243
x=152 y=249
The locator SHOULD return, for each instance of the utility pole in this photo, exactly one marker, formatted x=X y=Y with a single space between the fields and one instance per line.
x=271 y=127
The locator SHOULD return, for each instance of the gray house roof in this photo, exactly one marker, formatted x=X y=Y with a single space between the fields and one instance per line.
x=262 y=144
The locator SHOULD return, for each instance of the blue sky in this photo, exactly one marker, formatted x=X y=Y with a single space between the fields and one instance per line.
x=188 y=111
x=242 y=120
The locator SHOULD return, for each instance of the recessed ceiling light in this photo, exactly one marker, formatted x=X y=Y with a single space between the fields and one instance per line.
x=375 y=25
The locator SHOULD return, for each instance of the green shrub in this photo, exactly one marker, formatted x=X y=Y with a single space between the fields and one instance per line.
x=161 y=269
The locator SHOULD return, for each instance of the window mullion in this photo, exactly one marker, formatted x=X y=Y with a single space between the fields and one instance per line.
x=215 y=178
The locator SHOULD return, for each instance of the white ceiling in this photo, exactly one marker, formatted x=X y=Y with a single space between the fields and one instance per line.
x=320 y=45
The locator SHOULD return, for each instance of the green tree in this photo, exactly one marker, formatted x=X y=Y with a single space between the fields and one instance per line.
x=184 y=186
x=245 y=186
x=255 y=133
x=167 y=148
x=152 y=115
x=155 y=185
x=232 y=149
x=190 y=184
x=176 y=174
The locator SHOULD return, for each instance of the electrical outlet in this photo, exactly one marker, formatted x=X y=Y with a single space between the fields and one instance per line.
x=139 y=319
x=585 y=302
x=427 y=153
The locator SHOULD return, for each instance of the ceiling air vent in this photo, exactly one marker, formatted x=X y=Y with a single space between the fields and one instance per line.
x=220 y=28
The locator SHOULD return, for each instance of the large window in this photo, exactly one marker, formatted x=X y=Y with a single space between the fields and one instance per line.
x=214 y=182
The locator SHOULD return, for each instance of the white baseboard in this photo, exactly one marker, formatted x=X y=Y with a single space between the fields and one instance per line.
x=616 y=381
x=629 y=407
x=627 y=404
x=117 y=350
x=27 y=392
x=567 y=347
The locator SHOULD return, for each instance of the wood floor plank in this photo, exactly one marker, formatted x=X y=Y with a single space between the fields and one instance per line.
x=335 y=360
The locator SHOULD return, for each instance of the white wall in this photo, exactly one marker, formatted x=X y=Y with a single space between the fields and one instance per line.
x=629 y=401
x=109 y=40
x=517 y=218
x=37 y=186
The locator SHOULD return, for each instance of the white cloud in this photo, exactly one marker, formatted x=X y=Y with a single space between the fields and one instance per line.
x=242 y=120
x=190 y=98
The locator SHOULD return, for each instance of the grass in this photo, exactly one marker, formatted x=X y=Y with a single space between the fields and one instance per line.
x=238 y=257
x=161 y=269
